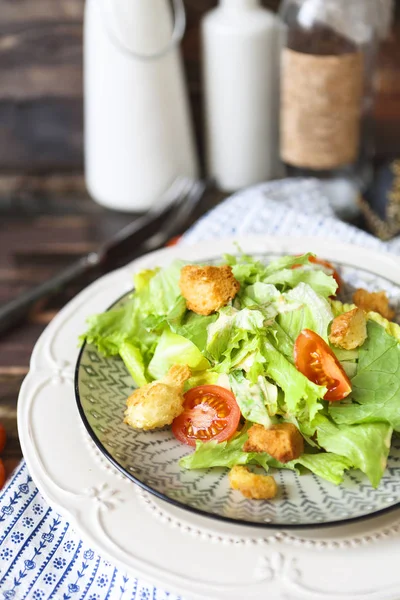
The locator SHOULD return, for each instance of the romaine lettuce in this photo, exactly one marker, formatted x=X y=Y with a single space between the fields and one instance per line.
x=366 y=446
x=173 y=349
x=376 y=386
x=254 y=399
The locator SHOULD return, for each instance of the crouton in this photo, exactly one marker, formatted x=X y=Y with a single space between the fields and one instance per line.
x=256 y=487
x=159 y=403
x=283 y=442
x=207 y=289
x=349 y=330
x=373 y=301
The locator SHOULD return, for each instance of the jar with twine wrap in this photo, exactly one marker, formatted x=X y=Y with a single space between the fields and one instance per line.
x=326 y=85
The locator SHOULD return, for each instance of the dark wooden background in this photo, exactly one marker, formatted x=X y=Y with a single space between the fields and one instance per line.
x=46 y=217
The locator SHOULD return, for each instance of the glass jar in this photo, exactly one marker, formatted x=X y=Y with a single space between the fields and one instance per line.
x=327 y=66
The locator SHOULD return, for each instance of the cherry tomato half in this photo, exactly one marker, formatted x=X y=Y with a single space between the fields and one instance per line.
x=317 y=362
x=2 y=474
x=3 y=437
x=329 y=268
x=210 y=413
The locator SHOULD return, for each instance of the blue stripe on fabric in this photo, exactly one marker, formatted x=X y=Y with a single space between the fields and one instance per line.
x=25 y=545
x=111 y=584
x=93 y=577
x=18 y=516
x=56 y=546
x=67 y=570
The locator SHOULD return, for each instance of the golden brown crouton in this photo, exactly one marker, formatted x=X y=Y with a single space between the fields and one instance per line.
x=375 y=301
x=283 y=442
x=159 y=403
x=257 y=487
x=349 y=330
x=207 y=289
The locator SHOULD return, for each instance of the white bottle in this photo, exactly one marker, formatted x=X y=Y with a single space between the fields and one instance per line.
x=241 y=87
x=138 y=135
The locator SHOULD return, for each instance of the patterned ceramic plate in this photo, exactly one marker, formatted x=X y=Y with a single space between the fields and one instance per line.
x=151 y=459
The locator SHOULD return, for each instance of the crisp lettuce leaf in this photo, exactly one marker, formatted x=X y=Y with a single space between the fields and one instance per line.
x=262 y=295
x=248 y=273
x=254 y=398
x=219 y=333
x=327 y=465
x=162 y=291
x=202 y=378
x=133 y=360
x=301 y=395
x=173 y=349
x=366 y=446
x=323 y=284
x=287 y=262
x=376 y=386
x=311 y=311
x=194 y=328
x=345 y=355
x=391 y=328
x=109 y=330
x=233 y=337
x=223 y=454
x=338 y=308
x=141 y=279
x=228 y=454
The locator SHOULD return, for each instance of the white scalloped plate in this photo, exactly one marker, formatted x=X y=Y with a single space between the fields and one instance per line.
x=196 y=556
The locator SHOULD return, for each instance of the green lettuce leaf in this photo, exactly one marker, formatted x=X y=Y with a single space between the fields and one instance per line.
x=173 y=349
x=202 y=378
x=262 y=295
x=219 y=332
x=366 y=446
x=323 y=284
x=133 y=360
x=194 y=328
x=233 y=337
x=376 y=386
x=254 y=398
x=228 y=454
x=301 y=395
x=141 y=279
x=338 y=308
x=327 y=465
x=311 y=311
x=391 y=328
x=287 y=262
x=162 y=292
x=109 y=330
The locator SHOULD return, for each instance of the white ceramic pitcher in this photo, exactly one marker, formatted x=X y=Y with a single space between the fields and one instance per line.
x=138 y=134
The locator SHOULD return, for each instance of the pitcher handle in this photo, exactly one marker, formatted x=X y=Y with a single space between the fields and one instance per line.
x=176 y=36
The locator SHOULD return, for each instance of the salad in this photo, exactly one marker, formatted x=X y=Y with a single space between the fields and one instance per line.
x=259 y=367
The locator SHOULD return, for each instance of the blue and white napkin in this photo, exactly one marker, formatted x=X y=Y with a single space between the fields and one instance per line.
x=41 y=557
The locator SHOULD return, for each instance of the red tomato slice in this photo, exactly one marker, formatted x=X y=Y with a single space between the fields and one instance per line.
x=2 y=474
x=317 y=362
x=328 y=266
x=3 y=437
x=210 y=413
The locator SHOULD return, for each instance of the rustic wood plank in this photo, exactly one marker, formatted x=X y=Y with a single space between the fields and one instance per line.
x=36 y=83
x=32 y=11
x=40 y=136
x=16 y=186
